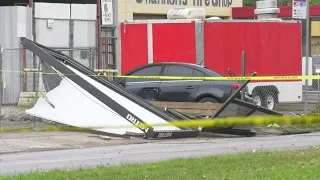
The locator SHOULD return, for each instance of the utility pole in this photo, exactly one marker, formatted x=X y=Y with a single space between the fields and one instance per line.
x=307 y=57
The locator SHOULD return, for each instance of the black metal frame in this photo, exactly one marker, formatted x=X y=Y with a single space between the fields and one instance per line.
x=233 y=99
x=52 y=58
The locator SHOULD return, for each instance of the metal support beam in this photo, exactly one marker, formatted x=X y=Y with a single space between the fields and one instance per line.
x=228 y=101
x=255 y=107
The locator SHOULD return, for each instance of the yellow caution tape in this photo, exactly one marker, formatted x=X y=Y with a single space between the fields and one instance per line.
x=254 y=78
x=216 y=122
x=243 y=78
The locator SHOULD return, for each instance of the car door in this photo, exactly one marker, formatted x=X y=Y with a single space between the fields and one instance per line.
x=145 y=88
x=179 y=90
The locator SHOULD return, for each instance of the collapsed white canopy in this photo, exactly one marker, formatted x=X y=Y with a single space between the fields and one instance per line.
x=76 y=107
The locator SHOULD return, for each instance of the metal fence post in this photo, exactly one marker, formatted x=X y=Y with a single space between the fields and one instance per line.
x=243 y=72
x=307 y=58
x=318 y=86
x=1 y=88
x=92 y=59
x=71 y=36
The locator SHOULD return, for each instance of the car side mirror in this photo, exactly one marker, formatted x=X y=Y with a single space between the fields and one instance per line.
x=122 y=83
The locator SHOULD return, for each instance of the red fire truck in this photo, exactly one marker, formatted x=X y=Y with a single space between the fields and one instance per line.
x=272 y=47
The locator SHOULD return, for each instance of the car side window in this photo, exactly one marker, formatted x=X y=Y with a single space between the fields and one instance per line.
x=148 y=71
x=173 y=70
x=197 y=73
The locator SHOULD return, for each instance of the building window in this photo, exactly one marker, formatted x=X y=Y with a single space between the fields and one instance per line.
x=315 y=36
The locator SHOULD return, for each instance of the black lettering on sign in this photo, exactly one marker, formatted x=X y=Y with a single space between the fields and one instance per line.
x=207 y=2
x=184 y=2
x=164 y=135
x=221 y=3
x=137 y=123
x=215 y=3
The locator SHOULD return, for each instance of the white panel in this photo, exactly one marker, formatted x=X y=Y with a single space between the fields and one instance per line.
x=76 y=107
x=84 y=33
x=150 y=43
x=141 y=112
x=84 y=11
x=58 y=36
x=21 y=21
x=52 y=10
x=288 y=91
x=309 y=70
x=8 y=25
x=9 y=21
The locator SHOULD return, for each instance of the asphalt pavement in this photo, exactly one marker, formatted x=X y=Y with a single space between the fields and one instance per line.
x=16 y=163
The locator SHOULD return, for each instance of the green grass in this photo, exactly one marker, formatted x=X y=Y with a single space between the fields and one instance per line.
x=312 y=127
x=298 y=164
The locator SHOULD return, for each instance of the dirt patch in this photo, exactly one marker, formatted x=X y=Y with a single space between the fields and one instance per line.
x=41 y=141
x=15 y=117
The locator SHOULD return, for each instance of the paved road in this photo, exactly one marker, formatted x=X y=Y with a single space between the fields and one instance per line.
x=151 y=152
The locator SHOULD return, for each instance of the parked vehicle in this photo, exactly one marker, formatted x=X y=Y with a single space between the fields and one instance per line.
x=272 y=48
x=203 y=91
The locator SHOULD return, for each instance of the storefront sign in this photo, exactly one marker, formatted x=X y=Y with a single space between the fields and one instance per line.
x=106 y=12
x=200 y=3
x=299 y=9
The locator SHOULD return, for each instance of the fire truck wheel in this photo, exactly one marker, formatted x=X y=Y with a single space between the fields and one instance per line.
x=270 y=100
x=267 y=100
x=258 y=98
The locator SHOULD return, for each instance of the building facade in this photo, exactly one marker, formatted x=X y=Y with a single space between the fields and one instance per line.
x=157 y=9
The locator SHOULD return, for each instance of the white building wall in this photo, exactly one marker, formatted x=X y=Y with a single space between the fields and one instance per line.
x=59 y=15
x=83 y=16
x=15 y=22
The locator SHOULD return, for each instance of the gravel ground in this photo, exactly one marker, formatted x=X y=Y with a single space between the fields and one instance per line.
x=13 y=142
x=14 y=116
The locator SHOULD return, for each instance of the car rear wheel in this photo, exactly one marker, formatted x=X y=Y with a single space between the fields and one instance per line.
x=208 y=100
